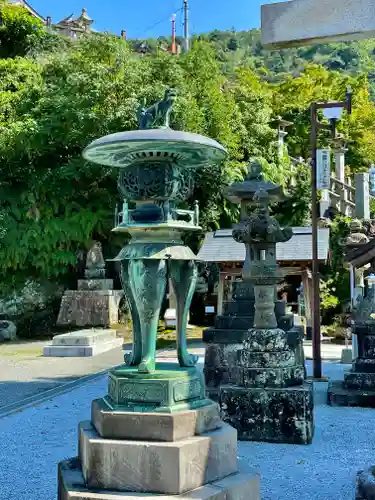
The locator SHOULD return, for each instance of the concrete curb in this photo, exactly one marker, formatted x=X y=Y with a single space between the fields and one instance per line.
x=51 y=393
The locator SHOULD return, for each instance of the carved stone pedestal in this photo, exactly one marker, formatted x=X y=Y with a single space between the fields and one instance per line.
x=266 y=398
x=226 y=337
x=140 y=442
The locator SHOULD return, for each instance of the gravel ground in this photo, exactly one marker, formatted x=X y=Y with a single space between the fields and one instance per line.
x=24 y=372
x=34 y=440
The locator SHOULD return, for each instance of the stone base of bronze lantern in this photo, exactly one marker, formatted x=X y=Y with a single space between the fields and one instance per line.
x=267 y=398
x=158 y=436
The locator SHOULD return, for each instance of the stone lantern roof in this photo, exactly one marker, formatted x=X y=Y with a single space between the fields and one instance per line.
x=253 y=183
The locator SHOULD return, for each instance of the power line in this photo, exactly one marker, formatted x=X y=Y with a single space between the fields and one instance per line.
x=160 y=21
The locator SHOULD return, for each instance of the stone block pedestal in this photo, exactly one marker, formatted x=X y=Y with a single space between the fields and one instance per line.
x=89 y=308
x=266 y=398
x=358 y=388
x=83 y=343
x=125 y=452
x=276 y=415
x=365 y=484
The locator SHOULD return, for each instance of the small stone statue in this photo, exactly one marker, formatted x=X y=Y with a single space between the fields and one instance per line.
x=95 y=265
x=157 y=115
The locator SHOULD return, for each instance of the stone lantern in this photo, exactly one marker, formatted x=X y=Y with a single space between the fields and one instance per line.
x=266 y=398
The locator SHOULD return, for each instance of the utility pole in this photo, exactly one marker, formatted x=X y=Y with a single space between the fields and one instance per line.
x=186 y=26
x=173 y=44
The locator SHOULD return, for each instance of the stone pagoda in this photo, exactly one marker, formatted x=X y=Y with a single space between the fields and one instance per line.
x=226 y=337
x=266 y=398
x=95 y=303
x=358 y=388
x=155 y=433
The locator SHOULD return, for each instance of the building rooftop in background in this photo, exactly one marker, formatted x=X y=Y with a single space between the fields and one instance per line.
x=27 y=6
x=219 y=246
x=71 y=25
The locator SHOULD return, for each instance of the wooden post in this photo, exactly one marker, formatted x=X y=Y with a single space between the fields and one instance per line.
x=220 y=294
x=307 y=290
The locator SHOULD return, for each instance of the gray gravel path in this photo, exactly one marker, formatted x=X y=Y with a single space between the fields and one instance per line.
x=33 y=441
x=24 y=372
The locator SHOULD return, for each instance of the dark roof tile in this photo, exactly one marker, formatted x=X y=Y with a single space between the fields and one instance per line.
x=219 y=246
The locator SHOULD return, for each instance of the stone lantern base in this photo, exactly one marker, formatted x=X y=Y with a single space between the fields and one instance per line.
x=275 y=415
x=132 y=450
x=358 y=387
x=266 y=398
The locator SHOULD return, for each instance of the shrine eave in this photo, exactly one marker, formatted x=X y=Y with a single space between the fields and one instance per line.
x=220 y=247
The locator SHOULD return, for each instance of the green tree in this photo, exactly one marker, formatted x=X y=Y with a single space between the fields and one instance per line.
x=19 y=32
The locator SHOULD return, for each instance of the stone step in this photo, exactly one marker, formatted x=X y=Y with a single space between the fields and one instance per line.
x=220 y=336
x=95 y=284
x=243 y=290
x=61 y=351
x=267 y=377
x=244 y=484
x=157 y=467
x=234 y=322
x=87 y=337
x=269 y=359
x=112 y=424
x=359 y=380
x=364 y=365
x=242 y=308
x=265 y=340
x=339 y=395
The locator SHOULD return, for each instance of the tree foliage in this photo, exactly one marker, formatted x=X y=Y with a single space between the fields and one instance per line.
x=57 y=96
x=19 y=32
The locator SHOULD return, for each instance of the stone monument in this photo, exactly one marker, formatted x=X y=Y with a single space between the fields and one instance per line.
x=95 y=303
x=358 y=388
x=226 y=337
x=266 y=398
x=156 y=433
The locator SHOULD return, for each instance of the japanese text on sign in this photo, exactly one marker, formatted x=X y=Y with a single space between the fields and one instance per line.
x=323 y=168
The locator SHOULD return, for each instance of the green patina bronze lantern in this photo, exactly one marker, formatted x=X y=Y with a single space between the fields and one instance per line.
x=156 y=171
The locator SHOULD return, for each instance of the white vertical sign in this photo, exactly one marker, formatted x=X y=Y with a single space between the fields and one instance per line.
x=323 y=168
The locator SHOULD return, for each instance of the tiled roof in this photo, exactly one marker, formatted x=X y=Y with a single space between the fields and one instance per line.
x=28 y=7
x=219 y=246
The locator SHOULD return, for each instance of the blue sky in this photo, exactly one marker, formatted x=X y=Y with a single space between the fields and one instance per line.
x=138 y=17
